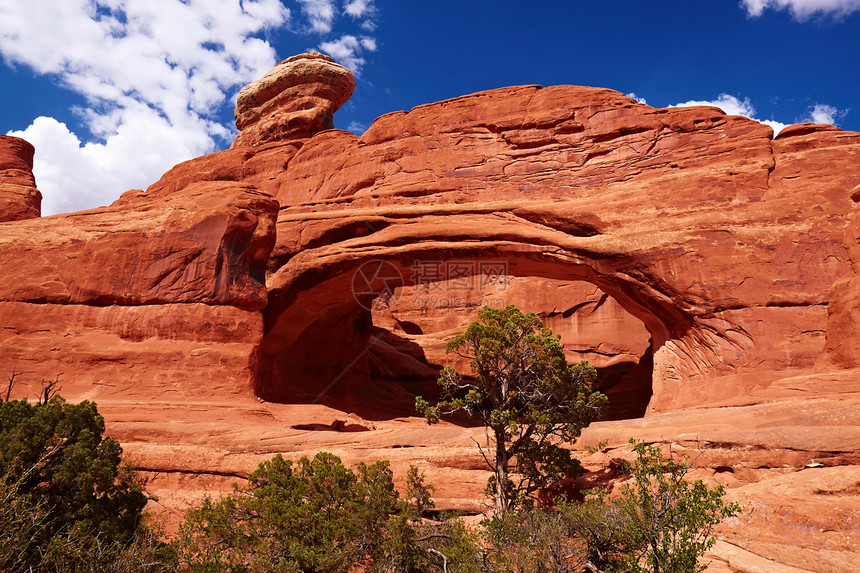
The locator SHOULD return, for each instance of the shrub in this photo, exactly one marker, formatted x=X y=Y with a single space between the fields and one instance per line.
x=667 y=521
x=318 y=516
x=526 y=394
x=66 y=494
x=414 y=544
x=660 y=523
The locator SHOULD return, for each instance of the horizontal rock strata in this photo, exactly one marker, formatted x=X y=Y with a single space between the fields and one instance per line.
x=293 y=293
x=19 y=198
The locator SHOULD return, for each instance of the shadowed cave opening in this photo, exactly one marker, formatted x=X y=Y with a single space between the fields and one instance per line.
x=373 y=358
x=593 y=327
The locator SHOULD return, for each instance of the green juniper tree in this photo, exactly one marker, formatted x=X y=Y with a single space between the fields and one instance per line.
x=319 y=516
x=527 y=396
x=65 y=493
x=314 y=516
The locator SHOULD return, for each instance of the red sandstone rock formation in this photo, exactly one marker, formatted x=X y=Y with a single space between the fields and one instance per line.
x=144 y=300
x=592 y=326
x=295 y=100
x=220 y=316
x=19 y=198
x=722 y=241
x=843 y=325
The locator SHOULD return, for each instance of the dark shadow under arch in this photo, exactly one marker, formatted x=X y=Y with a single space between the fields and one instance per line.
x=321 y=345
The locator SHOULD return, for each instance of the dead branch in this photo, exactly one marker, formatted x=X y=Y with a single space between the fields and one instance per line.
x=10 y=385
x=49 y=389
x=444 y=559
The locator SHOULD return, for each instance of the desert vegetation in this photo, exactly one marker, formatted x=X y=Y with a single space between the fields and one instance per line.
x=69 y=503
x=529 y=398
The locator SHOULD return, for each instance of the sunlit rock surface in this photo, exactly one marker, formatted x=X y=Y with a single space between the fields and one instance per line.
x=294 y=100
x=19 y=198
x=294 y=293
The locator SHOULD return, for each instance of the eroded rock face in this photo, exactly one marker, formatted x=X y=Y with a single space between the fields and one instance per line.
x=146 y=299
x=843 y=325
x=722 y=241
x=146 y=252
x=215 y=316
x=19 y=198
x=591 y=324
x=294 y=100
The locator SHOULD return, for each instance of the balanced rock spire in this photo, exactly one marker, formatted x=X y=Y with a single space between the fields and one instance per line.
x=19 y=198
x=294 y=100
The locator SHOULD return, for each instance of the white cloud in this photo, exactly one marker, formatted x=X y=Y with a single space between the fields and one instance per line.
x=803 y=9
x=320 y=13
x=347 y=50
x=358 y=8
x=819 y=113
x=154 y=75
x=735 y=106
x=74 y=176
x=357 y=127
x=728 y=103
x=823 y=113
x=777 y=126
x=637 y=98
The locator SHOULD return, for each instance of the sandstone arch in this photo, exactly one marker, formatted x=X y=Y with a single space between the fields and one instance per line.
x=314 y=318
x=586 y=183
x=723 y=240
x=168 y=306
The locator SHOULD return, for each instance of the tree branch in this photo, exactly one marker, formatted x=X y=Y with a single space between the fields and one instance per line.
x=444 y=559
x=483 y=455
x=11 y=384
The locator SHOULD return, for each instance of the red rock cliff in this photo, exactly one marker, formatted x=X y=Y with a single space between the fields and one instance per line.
x=220 y=315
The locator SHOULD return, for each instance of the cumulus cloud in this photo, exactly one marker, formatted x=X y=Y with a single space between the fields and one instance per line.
x=777 y=126
x=633 y=95
x=728 y=103
x=358 y=8
x=735 y=106
x=320 y=13
x=356 y=127
x=823 y=113
x=154 y=75
x=803 y=9
x=819 y=113
x=73 y=175
x=347 y=50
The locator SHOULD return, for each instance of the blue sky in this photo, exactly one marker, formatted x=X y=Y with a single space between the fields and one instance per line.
x=114 y=92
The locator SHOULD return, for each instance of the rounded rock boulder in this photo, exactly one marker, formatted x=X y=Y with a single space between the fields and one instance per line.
x=294 y=100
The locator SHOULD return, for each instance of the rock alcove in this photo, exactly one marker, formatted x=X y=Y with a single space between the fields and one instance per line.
x=371 y=356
